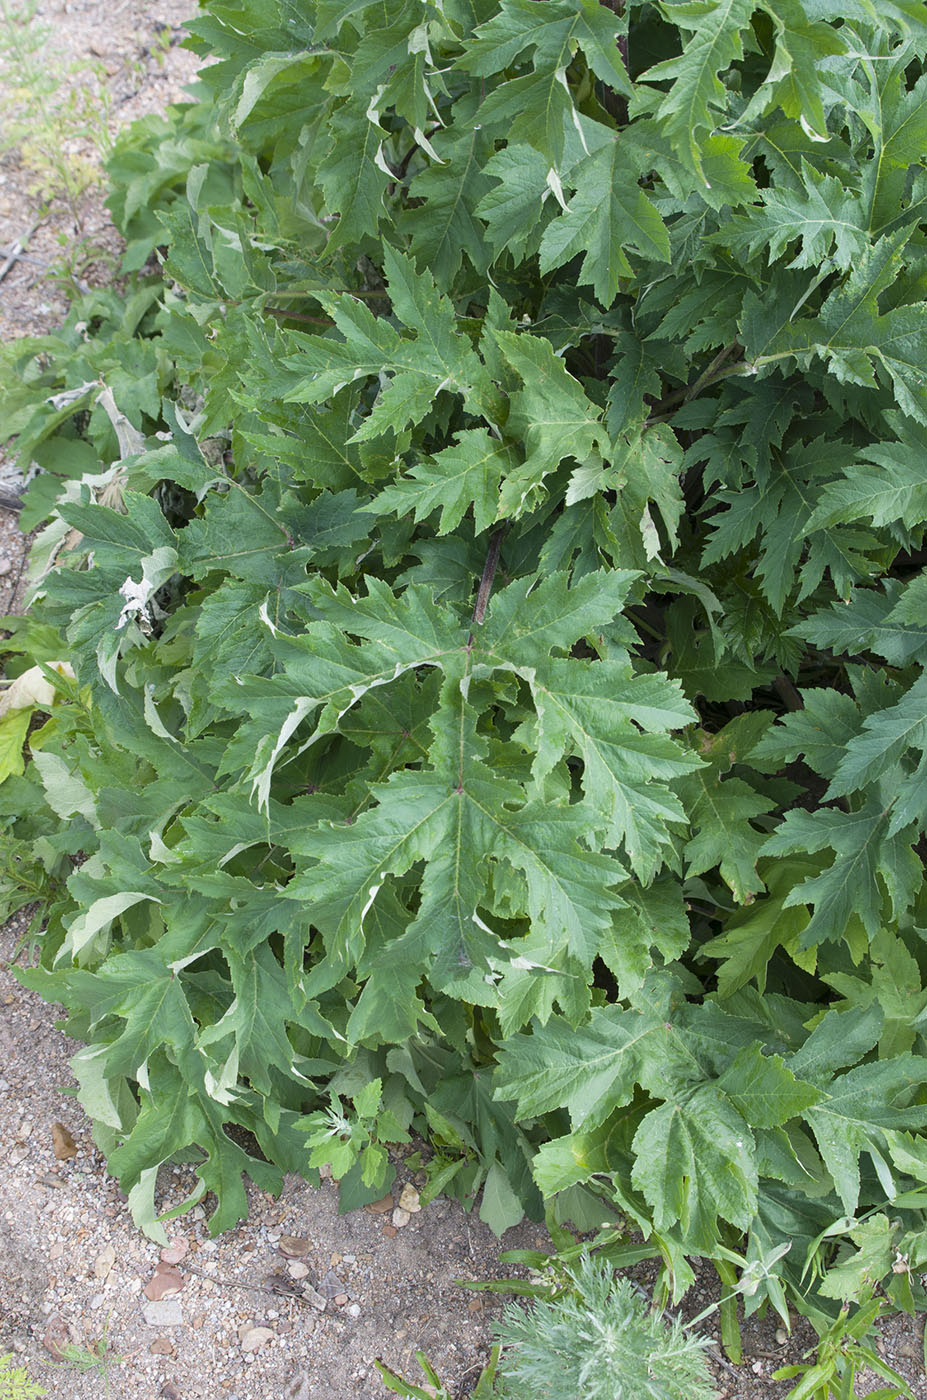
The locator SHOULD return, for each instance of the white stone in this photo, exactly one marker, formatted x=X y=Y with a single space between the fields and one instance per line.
x=408 y=1200
x=167 y=1312
x=253 y=1338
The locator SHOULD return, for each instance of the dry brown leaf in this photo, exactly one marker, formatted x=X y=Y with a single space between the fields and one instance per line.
x=57 y=1336
x=293 y=1246
x=63 y=1145
x=164 y=1283
x=381 y=1207
x=175 y=1250
x=279 y=1283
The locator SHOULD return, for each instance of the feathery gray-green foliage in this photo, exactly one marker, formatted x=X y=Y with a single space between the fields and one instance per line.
x=601 y=1341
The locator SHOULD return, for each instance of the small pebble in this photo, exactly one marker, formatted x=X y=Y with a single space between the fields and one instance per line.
x=167 y=1312
x=293 y=1246
x=409 y=1199
x=253 y=1338
x=104 y=1262
x=400 y=1217
x=353 y=1309
x=173 y=1252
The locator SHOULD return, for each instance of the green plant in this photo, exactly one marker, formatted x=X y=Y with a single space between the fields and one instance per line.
x=15 y=1383
x=845 y=1348
x=345 y=1141
x=94 y=1356
x=599 y=1339
x=587 y=1333
x=491 y=560
x=398 y=1385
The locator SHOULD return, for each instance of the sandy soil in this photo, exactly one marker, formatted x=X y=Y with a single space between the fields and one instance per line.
x=135 y=46
x=72 y=1265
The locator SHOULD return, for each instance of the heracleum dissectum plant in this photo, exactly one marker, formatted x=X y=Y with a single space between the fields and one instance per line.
x=491 y=560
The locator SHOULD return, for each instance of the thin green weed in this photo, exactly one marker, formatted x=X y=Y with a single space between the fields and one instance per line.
x=94 y=1355
x=15 y=1382
x=56 y=122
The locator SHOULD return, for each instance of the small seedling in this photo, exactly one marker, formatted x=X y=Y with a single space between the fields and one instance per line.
x=15 y=1383
x=95 y=1355
x=434 y=1389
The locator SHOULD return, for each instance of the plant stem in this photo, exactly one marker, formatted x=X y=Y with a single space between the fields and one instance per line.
x=489 y=573
x=298 y=316
x=691 y=391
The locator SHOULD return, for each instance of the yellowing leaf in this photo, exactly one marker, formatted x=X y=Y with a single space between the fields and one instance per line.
x=33 y=689
x=14 y=727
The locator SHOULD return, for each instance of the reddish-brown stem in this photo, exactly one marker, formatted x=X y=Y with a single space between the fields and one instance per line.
x=489 y=573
